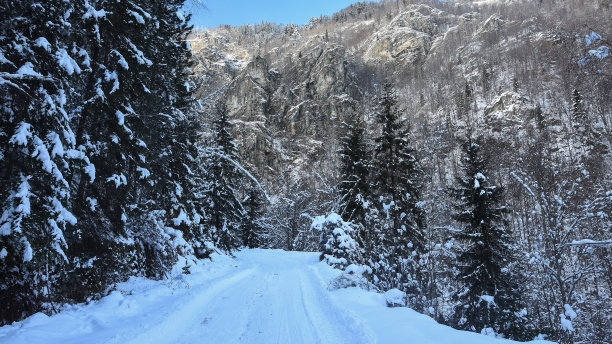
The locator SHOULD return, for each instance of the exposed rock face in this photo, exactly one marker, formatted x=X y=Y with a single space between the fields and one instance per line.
x=407 y=39
x=280 y=116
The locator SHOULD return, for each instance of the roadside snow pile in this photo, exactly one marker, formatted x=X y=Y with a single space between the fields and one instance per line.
x=397 y=324
x=136 y=304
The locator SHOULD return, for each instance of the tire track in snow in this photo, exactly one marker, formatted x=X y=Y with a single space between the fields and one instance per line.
x=181 y=318
x=333 y=323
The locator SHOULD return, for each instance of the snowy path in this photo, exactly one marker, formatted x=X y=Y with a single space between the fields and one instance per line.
x=263 y=296
x=271 y=299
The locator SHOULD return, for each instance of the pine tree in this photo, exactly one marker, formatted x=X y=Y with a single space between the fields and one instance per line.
x=397 y=182
x=225 y=210
x=490 y=298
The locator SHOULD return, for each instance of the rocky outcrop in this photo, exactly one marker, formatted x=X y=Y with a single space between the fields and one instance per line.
x=407 y=39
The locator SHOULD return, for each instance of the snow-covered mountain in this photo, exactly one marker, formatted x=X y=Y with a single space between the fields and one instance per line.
x=458 y=67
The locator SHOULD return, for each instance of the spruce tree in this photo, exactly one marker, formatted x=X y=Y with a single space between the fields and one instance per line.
x=579 y=115
x=397 y=182
x=489 y=298
x=354 y=188
x=111 y=124
x=253 y=225
x=225 y=209
x=174 y=129
x=37 y=155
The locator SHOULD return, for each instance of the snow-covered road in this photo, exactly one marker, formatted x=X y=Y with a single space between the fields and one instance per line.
x=268 y=299
x=261 y=296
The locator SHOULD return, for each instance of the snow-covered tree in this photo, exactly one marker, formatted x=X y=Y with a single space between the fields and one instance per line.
x=254 y=225
x=37 y=65
x=397 y=184
x=225 y=210
x=354 y=187
x=490 y=298
x=338 y=240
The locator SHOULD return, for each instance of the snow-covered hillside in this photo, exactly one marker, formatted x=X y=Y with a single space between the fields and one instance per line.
x=261 y=296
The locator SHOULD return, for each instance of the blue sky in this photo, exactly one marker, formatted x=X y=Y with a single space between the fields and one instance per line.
x=236 y=12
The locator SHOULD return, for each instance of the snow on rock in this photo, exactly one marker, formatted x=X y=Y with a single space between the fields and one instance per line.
x=601 y=52
x=395 y=298
x=592 y=37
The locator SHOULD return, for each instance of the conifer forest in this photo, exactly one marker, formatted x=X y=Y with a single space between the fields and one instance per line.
x=451 y=157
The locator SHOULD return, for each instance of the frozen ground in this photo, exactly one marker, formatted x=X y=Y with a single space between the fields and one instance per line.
x=262 y=296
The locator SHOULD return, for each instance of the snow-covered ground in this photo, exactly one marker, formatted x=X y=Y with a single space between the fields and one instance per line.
x=261 y=296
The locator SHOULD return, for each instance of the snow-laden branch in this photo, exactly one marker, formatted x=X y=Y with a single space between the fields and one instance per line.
x=22 y=76
x=589 y=242
x=242 y=169
x=520 y=181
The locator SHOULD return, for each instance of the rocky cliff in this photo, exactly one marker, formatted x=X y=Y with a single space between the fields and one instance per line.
x=458 y=67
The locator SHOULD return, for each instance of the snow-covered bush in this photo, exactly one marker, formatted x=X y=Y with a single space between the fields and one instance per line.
x=337 y=240
x=395 y=298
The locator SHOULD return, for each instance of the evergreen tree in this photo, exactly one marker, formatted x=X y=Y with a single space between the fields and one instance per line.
x=36 y=152
x=225 y=210
x=338 y=241
x=174 y=130
x=112 y=123
x=97 y=121
x=354 y=188
x=490 y=298
x=579 y=114
x=253 y=225
x=397 y=182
